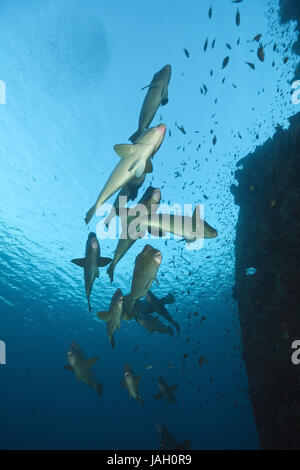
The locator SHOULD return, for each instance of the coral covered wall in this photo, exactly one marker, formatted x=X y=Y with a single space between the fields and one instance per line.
x=268 y=240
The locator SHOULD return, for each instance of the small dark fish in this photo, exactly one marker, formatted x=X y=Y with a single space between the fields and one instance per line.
x=170 y=133
x=214 y=140
x=181 y=128
x=225 y=62
x=213 y=43
x=205 y=88
x=285 y=60
x=257 y=37
x=275 y=47
x=210 y=12
x=237 y=1
x=228 y=46
x=261 y=53
x=186 y=52
x=205 y=45
x=238 y=41
x=223 y=80
x=250 y=65
x=238 y=18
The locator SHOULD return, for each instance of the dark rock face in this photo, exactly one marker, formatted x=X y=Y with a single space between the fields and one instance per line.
x=290 y=10
x=268 y=239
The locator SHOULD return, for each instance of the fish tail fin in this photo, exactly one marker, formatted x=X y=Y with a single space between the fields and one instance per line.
x=99 y=388
x=168 y=299
x=112 y=341
x=134 y=136
x=110 y=271
x=90 y=214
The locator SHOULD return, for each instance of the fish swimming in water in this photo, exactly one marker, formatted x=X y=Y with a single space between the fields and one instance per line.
x=145 y=270
x=165 y=391
x=132 y=383
x=157 y=95
x=225 y=62
x=190 y=228
x=152 y=304
x=168 y=441
x=186 y=52
x=150 y=202
x=91 y=263
x=113 y=315
x=261 y=53
x=153 y=324
x=135 y=160
x=81 y=366
x=238 y=18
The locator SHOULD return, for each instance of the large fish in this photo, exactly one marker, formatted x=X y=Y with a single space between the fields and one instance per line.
x=157 y=95
x=153 y=304
x=150 y=202
x=130 y=192
x=132 y=384
x=91 y=263
x=168 y=441
x=135 y=160
x=145 y=270
x=190 y=228
x=81 y=366
x=153 y=324
x=113 y=316
x=165 y=391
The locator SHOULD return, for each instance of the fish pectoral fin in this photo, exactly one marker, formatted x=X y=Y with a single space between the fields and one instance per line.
x=164 y=96
x=149 y=167
x=138 y=167
x=105 y=316
x=102 y=261
x=68 y=367
x=173 y=387
x=158 y=396
x=90 y=362
x=79 y=262
x=124 y=150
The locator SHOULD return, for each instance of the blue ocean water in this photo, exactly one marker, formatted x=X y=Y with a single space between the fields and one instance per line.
x=73 y=74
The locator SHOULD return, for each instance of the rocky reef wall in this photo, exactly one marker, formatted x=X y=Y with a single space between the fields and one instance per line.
x=268 y=240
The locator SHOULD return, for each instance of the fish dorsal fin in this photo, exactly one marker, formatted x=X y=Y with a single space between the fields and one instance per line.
x=124 y=150
x=90 y=362
x=79 y=262
x=104 y=315
x=196 y=213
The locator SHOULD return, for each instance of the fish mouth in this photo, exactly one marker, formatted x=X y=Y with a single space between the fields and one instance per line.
x=158 y=256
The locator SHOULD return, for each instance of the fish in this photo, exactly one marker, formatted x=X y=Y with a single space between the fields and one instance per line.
x=225 y=62
x=168 y=441
x=145 y=270
x=157 y=95
x=153 y=324
x=81 y=366
x=135 y=160
x=210 y=12
x=113 y=315
x=130 y=192
x=91 y=263
x=238 y=18
x=153 y=304
x=186 y=52
x=132 y=384
x=261 y=53
x=205 y=45
x=150 y=202
x=165 y=391
x=250 y=65
x=181 y=128
x=190 y=228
